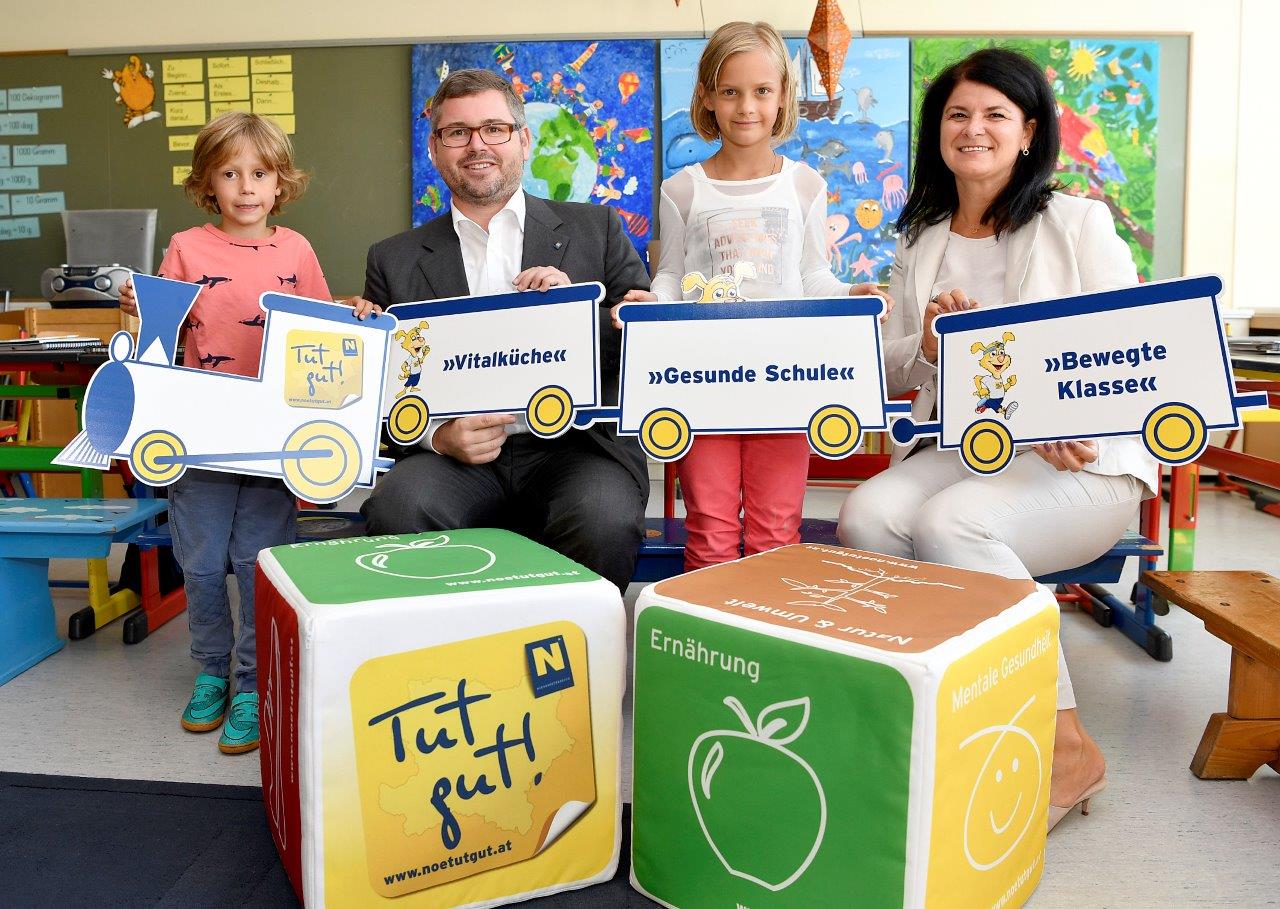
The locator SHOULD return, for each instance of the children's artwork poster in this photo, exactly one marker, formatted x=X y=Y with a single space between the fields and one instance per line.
x=1147 y=361
x=310 y=415
x=589 y=107
x=857 y=140
x=1108 y=104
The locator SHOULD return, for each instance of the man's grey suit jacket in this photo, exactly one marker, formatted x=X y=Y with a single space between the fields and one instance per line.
x=586 y=242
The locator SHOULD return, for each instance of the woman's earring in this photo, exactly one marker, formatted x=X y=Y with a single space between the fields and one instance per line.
x=1026 y=151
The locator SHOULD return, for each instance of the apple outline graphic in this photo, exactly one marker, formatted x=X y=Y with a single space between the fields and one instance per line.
x=1003 y=729
x=765 y=731
x=377 y=561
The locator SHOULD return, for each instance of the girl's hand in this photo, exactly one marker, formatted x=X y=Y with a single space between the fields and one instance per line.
x=951 y=301
x=632 y=296
x=1071 y=455
x=360 y=307
x=128 y=299
x=541 y=278
x=873 y=290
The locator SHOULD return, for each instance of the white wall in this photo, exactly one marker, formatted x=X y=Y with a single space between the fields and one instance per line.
x=1214 y=90
x=1257 y=194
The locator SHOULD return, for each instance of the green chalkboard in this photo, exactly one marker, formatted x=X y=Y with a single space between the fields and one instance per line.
x=353 y=133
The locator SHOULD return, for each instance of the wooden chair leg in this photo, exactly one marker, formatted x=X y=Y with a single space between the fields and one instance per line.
x=1236 y=743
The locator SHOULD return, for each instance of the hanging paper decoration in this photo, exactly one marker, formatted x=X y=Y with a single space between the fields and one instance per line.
x=829 y=39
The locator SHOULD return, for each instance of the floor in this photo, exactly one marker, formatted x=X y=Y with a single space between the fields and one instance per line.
x=1156 y=837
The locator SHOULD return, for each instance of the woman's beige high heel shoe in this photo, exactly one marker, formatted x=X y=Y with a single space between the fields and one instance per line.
x=1056 y=814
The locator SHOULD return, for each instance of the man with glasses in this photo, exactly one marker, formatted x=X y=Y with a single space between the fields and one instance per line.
x=584 y=493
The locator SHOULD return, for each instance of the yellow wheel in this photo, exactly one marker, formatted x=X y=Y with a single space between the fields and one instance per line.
x=986 y=447
x=834 y=431
x=1175 y=433
x=549 y=412
x=407 y=420
x=665 y=434
x=331 y=466
x=149 y=459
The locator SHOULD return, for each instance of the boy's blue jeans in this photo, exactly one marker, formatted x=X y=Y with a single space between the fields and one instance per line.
x=221 y=521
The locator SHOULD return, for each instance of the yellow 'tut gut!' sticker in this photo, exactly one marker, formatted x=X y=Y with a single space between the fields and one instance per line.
x=322 y=369
x=481 y=760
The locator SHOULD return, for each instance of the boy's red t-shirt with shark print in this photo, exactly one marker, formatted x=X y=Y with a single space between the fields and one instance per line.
x=224 y=329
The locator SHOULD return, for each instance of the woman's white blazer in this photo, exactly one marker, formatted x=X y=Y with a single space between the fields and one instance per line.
x=1069 y=248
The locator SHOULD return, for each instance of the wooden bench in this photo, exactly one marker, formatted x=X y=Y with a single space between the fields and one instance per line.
x=1243 y=609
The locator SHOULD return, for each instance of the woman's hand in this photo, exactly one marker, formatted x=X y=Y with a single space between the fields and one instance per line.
x=633 y=296
x=950 y=301
x=869 y=290
x=1071 y=455
x=128 y=299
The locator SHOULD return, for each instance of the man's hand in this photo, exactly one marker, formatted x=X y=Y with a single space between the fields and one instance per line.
x=128 y=299
x=868 y=290
x=953 y=301
x=1070 y=456
x=360 y=307
x=632 y=296
x=473 y=440
x=541 y=278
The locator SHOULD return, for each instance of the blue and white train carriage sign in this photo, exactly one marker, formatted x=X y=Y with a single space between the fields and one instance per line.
x=762 y=366
x=1147 y=361
x=531 y=352
x=310 y=416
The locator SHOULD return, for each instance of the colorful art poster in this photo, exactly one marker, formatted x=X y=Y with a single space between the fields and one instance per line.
x=1107 y=91
x=857 y=140
x=589 y=106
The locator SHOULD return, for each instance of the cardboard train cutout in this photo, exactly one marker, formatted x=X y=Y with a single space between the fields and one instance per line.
x=310 y=416
x=1008 y=376
x=519 y=352
x=1149 y=361
x=764 y=366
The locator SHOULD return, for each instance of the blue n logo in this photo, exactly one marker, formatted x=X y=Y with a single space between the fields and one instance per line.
x=549 y=668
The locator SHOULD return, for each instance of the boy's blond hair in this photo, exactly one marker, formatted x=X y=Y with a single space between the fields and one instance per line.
x=734 y=38
x=222 y=137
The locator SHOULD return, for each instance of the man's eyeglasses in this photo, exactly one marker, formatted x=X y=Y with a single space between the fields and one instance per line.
x=490 y=134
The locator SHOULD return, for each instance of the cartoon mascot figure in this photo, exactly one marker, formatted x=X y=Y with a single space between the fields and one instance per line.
x=415 y=345
x=996 y=361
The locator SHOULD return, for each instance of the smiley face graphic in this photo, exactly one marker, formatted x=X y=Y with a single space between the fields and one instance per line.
x=1006 y=793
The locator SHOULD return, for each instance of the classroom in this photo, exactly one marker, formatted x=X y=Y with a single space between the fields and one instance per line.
x=488 y=572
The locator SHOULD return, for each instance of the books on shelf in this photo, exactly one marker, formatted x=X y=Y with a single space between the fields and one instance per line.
x=50 y=342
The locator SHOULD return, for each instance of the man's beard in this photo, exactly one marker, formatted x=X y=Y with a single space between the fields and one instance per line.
x=503 y=187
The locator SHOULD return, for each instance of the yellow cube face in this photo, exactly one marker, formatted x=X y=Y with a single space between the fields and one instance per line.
x=994 y=749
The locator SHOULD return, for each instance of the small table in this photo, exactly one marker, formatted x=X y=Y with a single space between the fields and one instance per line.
x=32 y=531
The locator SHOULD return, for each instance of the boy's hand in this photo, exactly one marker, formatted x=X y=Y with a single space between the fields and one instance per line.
x=360 y=307
x=632 y=296
x=128 y=299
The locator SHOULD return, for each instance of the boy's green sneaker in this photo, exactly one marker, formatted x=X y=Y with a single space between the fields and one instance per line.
x=207 y=705
x=240 y=731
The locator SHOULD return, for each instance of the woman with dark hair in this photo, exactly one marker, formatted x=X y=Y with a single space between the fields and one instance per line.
x=985 y=226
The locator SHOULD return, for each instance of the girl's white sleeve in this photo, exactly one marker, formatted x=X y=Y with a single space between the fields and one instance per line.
x=815 y=267
x=666 y=281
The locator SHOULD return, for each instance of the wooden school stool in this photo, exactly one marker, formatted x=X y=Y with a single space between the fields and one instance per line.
x=1243 y=609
